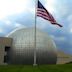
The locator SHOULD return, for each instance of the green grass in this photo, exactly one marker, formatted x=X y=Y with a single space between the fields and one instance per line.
x=40 y=68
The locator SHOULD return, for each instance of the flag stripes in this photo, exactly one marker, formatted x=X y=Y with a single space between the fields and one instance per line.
x=42 y=12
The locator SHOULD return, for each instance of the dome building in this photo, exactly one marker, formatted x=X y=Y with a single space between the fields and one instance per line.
x=22 y=50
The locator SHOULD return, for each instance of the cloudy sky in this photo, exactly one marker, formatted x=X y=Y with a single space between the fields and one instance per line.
x=21 y=13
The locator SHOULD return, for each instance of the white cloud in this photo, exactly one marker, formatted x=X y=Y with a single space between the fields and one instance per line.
x=50 y=5
x=52 y=36
x=1 y=30
x=41 y=23
x=16 y=30
x=9 y=7
x=32 y=10
x=42 y=26
x=69 y=18
x=58 y=38
x=63 y=10
x=7 y=22
x=17 y=25
x=70 y=23
x=58 y=10
x=71 y=30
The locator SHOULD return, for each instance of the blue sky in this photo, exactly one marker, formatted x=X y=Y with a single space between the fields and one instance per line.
x=21 y=13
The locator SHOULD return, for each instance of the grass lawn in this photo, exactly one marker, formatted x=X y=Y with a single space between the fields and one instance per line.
x=40 y=68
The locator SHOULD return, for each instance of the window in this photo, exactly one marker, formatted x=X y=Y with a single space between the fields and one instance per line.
x=7 y=48
x=5 y=59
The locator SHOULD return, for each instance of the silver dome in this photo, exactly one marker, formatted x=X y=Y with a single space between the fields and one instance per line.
x=22 y=51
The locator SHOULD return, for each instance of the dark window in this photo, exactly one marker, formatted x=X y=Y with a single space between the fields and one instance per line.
x=5 y=59
x=7 y=48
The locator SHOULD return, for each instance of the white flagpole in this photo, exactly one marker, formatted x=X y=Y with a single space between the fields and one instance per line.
x=36 y=3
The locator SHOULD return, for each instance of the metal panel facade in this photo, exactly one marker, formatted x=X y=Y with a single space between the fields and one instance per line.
x=22 y=51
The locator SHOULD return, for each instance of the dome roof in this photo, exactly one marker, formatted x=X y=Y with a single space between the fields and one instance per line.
x=23 y=46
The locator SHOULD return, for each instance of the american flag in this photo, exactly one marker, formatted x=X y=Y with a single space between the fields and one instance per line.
x=42 y=12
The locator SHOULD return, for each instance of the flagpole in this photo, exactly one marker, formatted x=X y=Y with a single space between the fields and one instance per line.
x=36 y=3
